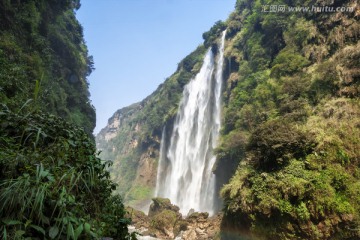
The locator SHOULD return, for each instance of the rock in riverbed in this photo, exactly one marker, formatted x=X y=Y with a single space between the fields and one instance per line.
x=164 y=221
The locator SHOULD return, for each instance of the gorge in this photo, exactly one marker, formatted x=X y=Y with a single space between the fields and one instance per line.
x=286 y=166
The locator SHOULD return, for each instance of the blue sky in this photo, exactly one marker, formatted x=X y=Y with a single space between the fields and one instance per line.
x=137 y=44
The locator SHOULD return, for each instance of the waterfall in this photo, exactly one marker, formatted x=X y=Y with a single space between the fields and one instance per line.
x=185 y=166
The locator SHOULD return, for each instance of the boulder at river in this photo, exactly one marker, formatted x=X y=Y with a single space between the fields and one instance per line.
x=164 y=221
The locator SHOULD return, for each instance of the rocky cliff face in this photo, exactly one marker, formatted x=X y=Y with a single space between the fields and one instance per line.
x=115 y=123
x=133 y=165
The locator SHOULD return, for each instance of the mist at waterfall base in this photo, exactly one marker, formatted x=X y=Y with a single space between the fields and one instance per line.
x=186 y=159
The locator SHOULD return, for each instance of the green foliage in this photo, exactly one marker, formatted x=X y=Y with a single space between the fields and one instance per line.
x=189 y=62
x=43 y=41
x=232 y=145
x=288 y=62
x=164 y=219
x=276 y=142
x=256 y=53
x=139 y=193
x=213 y=34
x=301 y=33
x=126 y=172
x=52 y=184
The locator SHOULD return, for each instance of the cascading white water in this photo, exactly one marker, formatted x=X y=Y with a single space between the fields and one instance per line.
x=185 y=166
